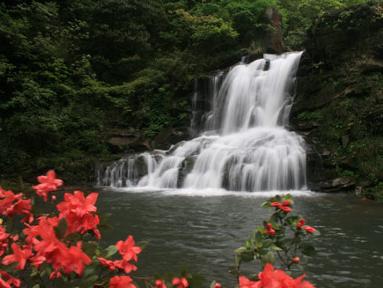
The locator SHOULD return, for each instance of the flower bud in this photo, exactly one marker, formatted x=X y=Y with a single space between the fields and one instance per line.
x=296 y=260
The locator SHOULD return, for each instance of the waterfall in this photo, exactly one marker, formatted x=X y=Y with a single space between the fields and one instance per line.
x=244 y=144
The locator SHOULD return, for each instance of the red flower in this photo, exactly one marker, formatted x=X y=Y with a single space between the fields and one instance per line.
x=83 y=224
x=284 y=206
x=117 y=265
x=54 y=275
x=107 y=263
x=51 y=250
x=269 y=230
x=121 y=282
x=74 y=260
x=48 y=183
x=4 y=284
x=246 y=283
x=125 y=266
x=286 y=209
x=296 y=260
x=37 y=260
x=180 y=282
x=300 y=283
x=45 y=230
x=160 y=284
x=286 y=203
x=78 y=204
x=218 y=285
x=127 y=249
x=42 y=238
x=7 y=280
x=79 y=212
x=276 y=204
x=300 y=223
x=19 y=256
x=273 y=278
x=309 y=229
x=4 y=236
x=13 y=204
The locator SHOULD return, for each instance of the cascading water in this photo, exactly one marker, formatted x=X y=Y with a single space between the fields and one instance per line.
x=244 y=146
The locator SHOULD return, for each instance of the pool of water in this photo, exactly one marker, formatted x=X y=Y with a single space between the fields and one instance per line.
x=199 y=232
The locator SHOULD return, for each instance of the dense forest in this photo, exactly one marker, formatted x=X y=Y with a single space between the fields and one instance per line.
x=74 y=73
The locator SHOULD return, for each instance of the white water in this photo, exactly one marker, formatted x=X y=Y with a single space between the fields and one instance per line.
x=245 y=146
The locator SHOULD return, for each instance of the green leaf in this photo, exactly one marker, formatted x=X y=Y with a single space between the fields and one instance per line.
x=110 y=251
x=90 y=248
x=274 y=219
x=240 y=250
x=243 y=254
x=292 y=220
x=276 y=248
x=266 y=204
x=268 y=258
x=89 y=282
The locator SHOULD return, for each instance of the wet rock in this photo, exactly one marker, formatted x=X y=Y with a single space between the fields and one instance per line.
x=314 y=166
x=337 y=184
x=186 y=168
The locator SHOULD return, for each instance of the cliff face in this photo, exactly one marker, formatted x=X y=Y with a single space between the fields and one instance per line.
x=339 y=102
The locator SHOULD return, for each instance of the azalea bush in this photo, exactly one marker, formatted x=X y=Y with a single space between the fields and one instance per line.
x=284 y=240
x=60 y=246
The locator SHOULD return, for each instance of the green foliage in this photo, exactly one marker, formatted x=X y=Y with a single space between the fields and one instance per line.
x=72 y=70
x=299 y=16
x=283 y=239
x=375 y=192
x=310 y=116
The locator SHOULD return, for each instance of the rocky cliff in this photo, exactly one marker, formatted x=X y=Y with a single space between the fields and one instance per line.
x=339 y=102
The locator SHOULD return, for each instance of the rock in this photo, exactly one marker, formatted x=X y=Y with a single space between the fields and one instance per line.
x=325 y=153
x=169 y=136
x=358 y=190
x=345 y=140
x=186 y=167
x=124 y=140
x=306 y=126
x=375 y=121
x=337 y=184
x=314 y=168
x=371 y=66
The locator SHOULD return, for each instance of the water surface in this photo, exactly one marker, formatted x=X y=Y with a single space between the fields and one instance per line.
x=200 y=232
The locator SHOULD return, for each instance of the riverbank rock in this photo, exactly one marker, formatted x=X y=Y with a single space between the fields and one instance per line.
x=123 y=140
x=339 y=105
x=337 y=185
x=169 y=136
